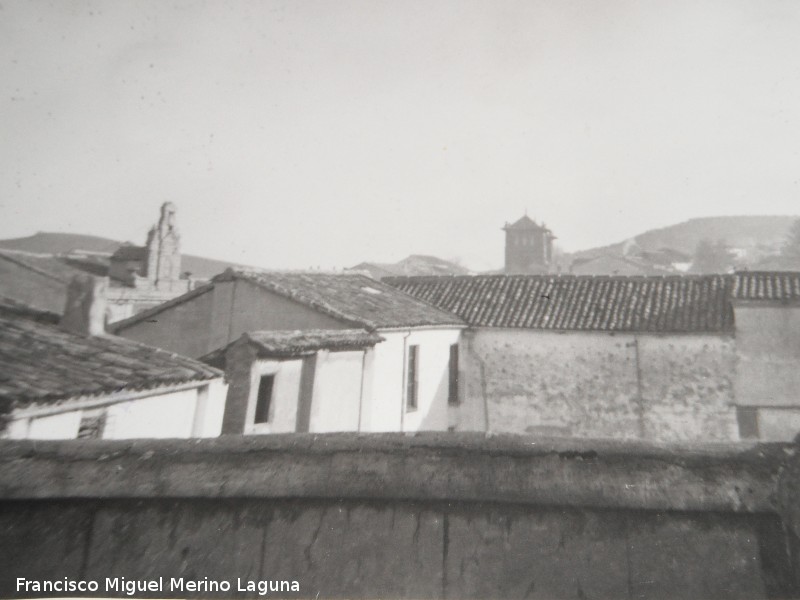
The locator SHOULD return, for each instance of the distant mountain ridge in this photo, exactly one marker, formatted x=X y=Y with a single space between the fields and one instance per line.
x=45 y=242
x=755 y=236
x=415 y=264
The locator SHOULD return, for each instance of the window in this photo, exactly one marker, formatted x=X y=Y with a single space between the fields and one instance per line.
x=412 y=384
x=92 y=425
x=264 y=398
x=452 y=390
x=748 y=422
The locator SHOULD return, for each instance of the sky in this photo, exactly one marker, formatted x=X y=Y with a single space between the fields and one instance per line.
x=319 y=133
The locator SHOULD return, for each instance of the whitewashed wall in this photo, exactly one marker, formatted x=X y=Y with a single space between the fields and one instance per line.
x=337 y=392
x=195 y=412
x=387 y=407
x=285 y=395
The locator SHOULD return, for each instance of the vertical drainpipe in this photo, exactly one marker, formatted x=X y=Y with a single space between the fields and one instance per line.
x=405 y=382
x=361 y=392
x=640 y=395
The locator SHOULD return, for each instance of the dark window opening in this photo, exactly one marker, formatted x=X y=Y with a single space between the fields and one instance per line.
x=452 y=390
x=264 y=399
x=92 y=426
x=412 y=384
x=748 y=423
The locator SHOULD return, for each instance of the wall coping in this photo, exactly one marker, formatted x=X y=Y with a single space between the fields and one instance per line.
x=451 y=467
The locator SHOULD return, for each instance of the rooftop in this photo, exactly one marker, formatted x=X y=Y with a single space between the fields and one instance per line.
x=676 y=304
x=40 y=363
x=524 y=223
x=353 y=298
x=767 y=286
x=287 y=344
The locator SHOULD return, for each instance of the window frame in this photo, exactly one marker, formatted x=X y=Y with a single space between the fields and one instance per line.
x=260 y=399
x=412 y=378
x=453 y=398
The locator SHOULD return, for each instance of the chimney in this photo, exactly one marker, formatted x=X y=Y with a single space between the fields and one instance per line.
x=85 y=311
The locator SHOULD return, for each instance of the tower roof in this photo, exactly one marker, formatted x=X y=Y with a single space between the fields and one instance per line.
x=525 y=223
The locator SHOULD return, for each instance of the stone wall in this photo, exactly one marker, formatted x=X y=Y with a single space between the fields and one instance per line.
x=426 y=516
x=662 y=388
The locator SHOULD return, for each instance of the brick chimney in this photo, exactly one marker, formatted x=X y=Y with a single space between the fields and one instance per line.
x=85 y=311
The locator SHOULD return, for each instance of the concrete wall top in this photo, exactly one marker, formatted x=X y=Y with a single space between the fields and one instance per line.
x=455 y=467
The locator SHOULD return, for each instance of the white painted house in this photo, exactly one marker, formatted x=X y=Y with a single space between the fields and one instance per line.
x=407 y=380
x=64 y=378
x=287 y=381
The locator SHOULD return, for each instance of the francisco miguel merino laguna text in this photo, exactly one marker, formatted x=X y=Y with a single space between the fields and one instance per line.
x=176 y=584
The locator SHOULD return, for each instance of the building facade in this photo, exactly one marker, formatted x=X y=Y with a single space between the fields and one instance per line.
x=650 y=358
x=64 y=378
x=767 y=308
x=406 y=376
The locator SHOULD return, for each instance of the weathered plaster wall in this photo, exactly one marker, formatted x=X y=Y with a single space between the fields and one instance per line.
x=253 y=308
x=688 y=387
x=214 y=319
x=182 y=328
x=387 y=411
x=195 y=412
x=599 y=385
x=336 y=404
x=394 y=516
x=768 y=373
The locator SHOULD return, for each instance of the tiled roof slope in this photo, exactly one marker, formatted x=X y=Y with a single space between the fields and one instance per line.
x=353 y=298
x=767 y=286
x=298 y=343
x=679 y=304
x=41 y=363
x=35 y=280
x=12 y=308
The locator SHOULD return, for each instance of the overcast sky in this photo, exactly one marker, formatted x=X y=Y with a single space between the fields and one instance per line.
x=304 y=133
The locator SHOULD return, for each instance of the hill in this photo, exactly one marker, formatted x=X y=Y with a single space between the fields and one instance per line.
x=752 y=237
x=60 y=243
x=415 y=264
x=65 y=243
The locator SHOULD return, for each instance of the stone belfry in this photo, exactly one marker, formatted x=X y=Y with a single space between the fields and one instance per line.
x=163 y=259
x=529 y=247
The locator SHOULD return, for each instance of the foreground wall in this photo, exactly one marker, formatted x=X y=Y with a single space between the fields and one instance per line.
x=662 y=388
x=430 y=516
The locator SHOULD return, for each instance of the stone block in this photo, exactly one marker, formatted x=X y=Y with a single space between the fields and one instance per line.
x=510 y=553
x=350 y=550
x=45 y=540
x=708 y=556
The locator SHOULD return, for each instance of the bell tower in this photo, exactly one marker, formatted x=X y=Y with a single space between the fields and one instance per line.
x=529 y=247
x=163 y=260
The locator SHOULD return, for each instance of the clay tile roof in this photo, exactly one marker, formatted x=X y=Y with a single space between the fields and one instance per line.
x=678 y=304
x=353 y=298
x=298 y=343
x=525 y=223
x=40 y=363
x=782 y=286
